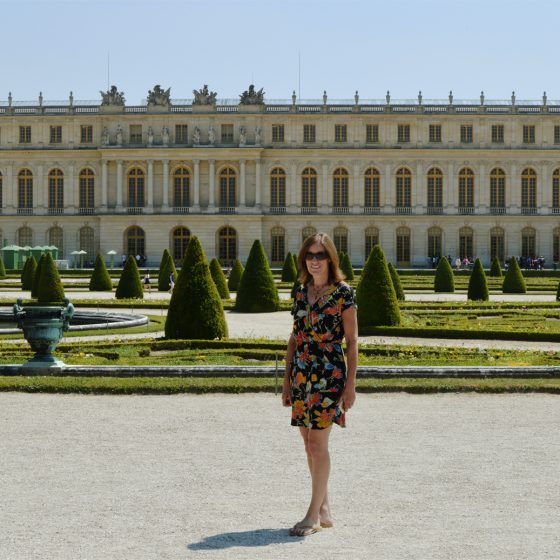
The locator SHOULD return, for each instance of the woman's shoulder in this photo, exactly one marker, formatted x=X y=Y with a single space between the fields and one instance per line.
x=343 y=287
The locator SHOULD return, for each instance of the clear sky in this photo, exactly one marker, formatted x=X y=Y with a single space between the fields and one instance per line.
x=55 y=46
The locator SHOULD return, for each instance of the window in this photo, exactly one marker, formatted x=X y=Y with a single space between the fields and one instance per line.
x=56 y=135
x=307 y=231
x=497 y=189
x=557 y=134
x=227 y=134
x=181 y=237
x=435 y=189
x=466 y=190
x=25 y=135
x=136 y=190
x=56 y=238
x=87 y=242
x=56 y=190
x=434 y=242
x=277 y=243
x=340 y=239
x=372 y=134
x=528 y=243
x=277 y=188
x=278 y=133
x=86 y=134
x=528 y=134
x=403 y=246
x=556 y=191
x=371 y=239
x=528 y=189
x=371 y=188
x=181 y=134
x=135 y=132
x=466 y=243
x=403 y=133
x=466 y=134
x=135 y=241
x=497 y=244
x=556 y=245
x=309 y=188
x=403 y=184
x=309 y=133
x=340 y=134
x=340 y=188
x=181 y=188
x=498 y=133
x=435 y=133
x=25 y=236
x=1 y=196
x=25 y=190
x=228 y=187
x=227 y=246
x=87 y=189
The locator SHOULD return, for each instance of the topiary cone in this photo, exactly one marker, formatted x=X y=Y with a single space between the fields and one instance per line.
x=37 y=276
x=289 y=271
x=2 y=268
x=346 y=267
x=514 y=283
x=28 y=273
x=49 y=288
x=219 y=279
x=235 y=276
x=166 y=269
x=444 y=280
x=478 y=286
x=100 y=280
x=395 y=278
x=130 y=285
x=257 y=292
x=495 y=268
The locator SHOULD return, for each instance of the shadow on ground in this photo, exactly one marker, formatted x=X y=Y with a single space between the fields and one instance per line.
x=259 y=537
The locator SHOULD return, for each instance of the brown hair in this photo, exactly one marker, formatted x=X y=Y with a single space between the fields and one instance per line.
x=335 y=274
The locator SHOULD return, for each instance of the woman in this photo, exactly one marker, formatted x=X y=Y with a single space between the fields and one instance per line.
x=317 y=384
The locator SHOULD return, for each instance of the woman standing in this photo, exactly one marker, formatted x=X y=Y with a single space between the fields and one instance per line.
x=317 y=384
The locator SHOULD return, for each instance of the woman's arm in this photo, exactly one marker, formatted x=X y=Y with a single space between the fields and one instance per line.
x=350 y=323
x=286 y=391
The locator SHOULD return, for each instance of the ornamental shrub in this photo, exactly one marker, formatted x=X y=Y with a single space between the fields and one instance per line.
x=558 y=293
x=166 y=269
x=37 y=276
x=100 y=280
x=235 y=276
x=514 y=283
x=444 y=280
x=495 y=268
x=376 y=297
x=130 y=285
x=346 y=267
x=289 y=270
x=478 y=286
x=395 y=278
x=49 y=289
x=28 y=273
x=2 y=268
x=257 y=292
x=195 y=310
x=294 y=257
x=219 y=279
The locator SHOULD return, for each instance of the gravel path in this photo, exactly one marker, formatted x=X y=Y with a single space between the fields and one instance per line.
x=446 y=476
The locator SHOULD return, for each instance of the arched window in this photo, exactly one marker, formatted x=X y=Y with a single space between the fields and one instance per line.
x=56 y=191
x=309 y=188
x=556 y=245
x=497 y=244
x=466 y=243
x=25 y=236
x=136 y=190
x=340 y=238
x=497 y=191
x=277 y=188
x=556 y=192
x=277 y=244
x=135 y=241
x=181 y=237
x=56 y=238
x=371 y=188
x=307 y=231
x=435 y=191
x=87 y=191
x=528 y=191
x=403 y=246
x=182 y=188
x=340 y=188
x=228 y=188
x=25 y=192
x=227 y=245
x=466 y=191
x=403 y=186
x=434 y=242
x=528 y=243
x=87 y=243
x=371 y=239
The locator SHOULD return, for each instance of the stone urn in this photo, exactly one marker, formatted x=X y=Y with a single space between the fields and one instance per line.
x=43 y=326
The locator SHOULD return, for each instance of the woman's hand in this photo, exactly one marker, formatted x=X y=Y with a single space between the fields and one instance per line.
x=286 y=396
x=348 y=396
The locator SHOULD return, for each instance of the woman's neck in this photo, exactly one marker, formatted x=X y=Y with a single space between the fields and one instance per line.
x=321 y=281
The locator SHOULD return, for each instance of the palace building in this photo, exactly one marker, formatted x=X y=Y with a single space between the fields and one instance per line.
x=422 y=178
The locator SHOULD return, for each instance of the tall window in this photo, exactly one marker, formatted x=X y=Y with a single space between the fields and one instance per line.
x=277 y=243
x=435 y=133
x=371 y=239
x=403 y=184
x=227 y=245
x=87 y=242
x=556 y=191
x=277 y=188
x=309 y=188
x=340 y=133
x=528 y=190
x=56 y=238
x=25 y=236
x=309 y=134
x=466 y=134
x=87 y=189
x=86 y=134
x=181 y=188
x=466 y=243
x=180 y=239
x=498 y=133
x=135 y=241
x=528 y=243
x=135 y=132
x=434 y=242
x=227 y=133
x=372 y=133
x=435 y=189
x=307 y=231
x=557 y=134
x=528 y=134
x=228 y=187
x=25 y=190
x=340 y=239
x=340 y=188
x=497 y=189
x=181 y=134
x=55 y=134
x=556 y=245
x=136 y=189
x=403 y=133
x=25 y=135
x=278 y=133
x=497 y=244
x=403 y=246
x=371 y=188
x=56 y=190
x=466 y=190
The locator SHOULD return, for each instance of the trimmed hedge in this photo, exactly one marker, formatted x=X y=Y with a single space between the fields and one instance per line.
x=495 y=268
x=36 y=277
x=289 y=271
x=444 y=280
x=28 y=273
x=396 y=282
x=514 y=283
x=166 y=269
x=100 y=280
x=130 y=285
x=346 y=266
x=235 y=276
x=49 y=288
x=219 y=279
x=2 y=268
x=478 y=286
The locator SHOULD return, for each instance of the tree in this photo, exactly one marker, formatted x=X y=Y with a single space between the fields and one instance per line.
x=37 y=276
x=235 y=276
x=28 y=273
x=444 y=280
x=219 y=279
x=289 y=271
x=346 y=267
x=514 y=283
x=495 y=268
x=2 y=268
x=130 y=285
x=257 y=292
x=395 y=278
x=166 y=269
x=49 y=289
x=376 y=297
x=195 y=310
x=478 y=286
x=100 y=280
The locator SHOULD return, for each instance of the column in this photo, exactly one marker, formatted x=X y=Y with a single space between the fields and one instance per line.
x=513 y=191
x=388 y=197
x=70 y=188
x=482 y=188
x=40 y=194
x=150 y=200
x=241 y=183
x=323 y=199
x=451 y=198
x=416 y=199
x=293 y=186
x=353 y=187
x=196 y=201
x=104 y=164
x=165 y=194
x=119 y=207
x=257 y=183
x=211 y=183
x=10 y=197
x=544 y=189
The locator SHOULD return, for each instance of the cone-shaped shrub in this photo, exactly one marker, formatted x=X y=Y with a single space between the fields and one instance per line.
x=166 y=269
x=235 y=276
x=2 y=268
x=558 y=293
x=219 y=279
x=100 y=280
x=495 y=268
x=376 y=297
x=444 y=280
x=195 y=310
x=28 y=273
x=49 y=288
x=478 y=286
x=289 y=271
x=257 y=292
x=514 y=283
x=37 y=276
x=395 y=278
x=346 y=267
x=130 y=285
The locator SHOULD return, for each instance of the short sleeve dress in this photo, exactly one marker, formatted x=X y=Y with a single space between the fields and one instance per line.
x=318 y=372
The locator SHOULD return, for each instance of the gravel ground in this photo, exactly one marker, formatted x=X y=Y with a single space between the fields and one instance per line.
x=445 y=476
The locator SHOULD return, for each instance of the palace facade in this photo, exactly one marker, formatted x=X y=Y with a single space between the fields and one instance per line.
x=421 y=178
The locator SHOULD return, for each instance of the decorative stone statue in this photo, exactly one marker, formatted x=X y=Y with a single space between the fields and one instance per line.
x=294 y=97
x=419 y=98
x=450 y=97
x=388 y=98
x=40 y=99
x=112 y=97
x=196 y=136
x=325 y=97
x=257 y=136
x=159 y=97
x=252 y=97
x=356 y=97
x=513 y=98
x=105 y=137
x=242 y=137
x=482 y=98
x=204 y=96
x=211 y=135
x=119 y=136
x=544 y=98
x=150 y=136
x=71 y=99
x=165 y=135
x=10 y=99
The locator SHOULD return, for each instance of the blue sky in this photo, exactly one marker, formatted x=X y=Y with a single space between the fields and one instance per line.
x=55 y=46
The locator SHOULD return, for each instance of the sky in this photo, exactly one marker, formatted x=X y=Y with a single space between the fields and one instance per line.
x=404 y=46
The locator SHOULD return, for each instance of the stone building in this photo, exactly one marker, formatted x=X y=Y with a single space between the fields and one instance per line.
x=423 y=178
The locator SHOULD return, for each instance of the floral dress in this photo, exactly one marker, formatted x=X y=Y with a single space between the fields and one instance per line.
x=318 y=373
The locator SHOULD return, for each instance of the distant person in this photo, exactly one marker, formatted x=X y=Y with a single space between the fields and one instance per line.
x=147 y=281
x=171 y=282
x=123 y=260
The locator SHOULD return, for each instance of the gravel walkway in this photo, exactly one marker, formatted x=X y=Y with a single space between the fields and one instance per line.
x=446 y=476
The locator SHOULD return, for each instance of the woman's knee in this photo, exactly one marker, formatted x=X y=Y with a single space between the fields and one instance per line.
x=317 y=445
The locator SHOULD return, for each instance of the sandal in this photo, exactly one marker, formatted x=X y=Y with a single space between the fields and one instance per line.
x=327 y=524
x=304 y=530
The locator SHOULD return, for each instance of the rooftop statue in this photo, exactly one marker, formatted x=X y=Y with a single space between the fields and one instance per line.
x=204 y=96
x=159 y=96
x=252 y=97
x=112 y=97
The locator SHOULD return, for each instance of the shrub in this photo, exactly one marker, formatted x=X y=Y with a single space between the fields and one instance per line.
x=478 y=286
x=28 y=273
x=219 y=279
x=36 y=277
x=130 y=285
x=396 y=282
x=289 y=271
x=257 y=292
x=558 y=293
x=166 y=269
x=195 y=310
x=495 y=268
x=49 y=288
x=235 y=276
x=100 y=280
x=2 y=268
x=444 y=280
x=294 y=257
x=376 y=297
x=346 y=267
x=514 y=283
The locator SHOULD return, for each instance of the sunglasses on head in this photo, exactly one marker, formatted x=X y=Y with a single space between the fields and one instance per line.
x=320 y=256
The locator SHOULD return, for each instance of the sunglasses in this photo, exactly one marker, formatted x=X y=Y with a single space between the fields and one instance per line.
x=320 y=256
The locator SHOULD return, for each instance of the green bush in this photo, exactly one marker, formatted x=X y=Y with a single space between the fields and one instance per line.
x=100 y=280
x=2 y=268
x=346 y=267
x=289 y=271
x=558 y=293
x=28 y=273
x=166 y=269
x=257 y=292
x=130 y=285
x=444 y=280
x=219 y=279
x=478 y=286
x=294 y=257
x=376 y=297
x=396 y=282
x=495 y=268
x=49 y=289
x=37 y=276
x=195 y=310
x=514 y=283
x=235 y=276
